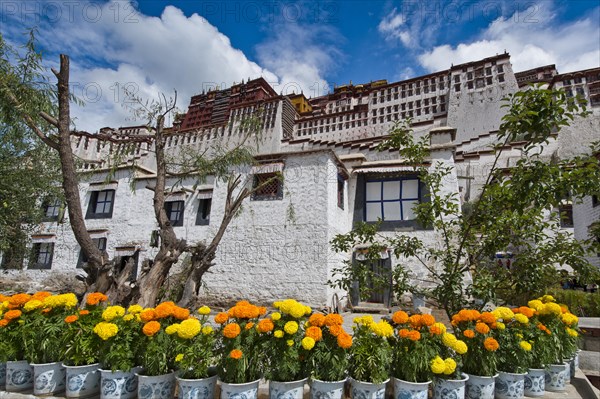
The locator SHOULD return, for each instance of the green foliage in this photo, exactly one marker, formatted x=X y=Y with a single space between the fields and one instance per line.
x=157 y=356
x=370 y=356
x=580 y=303
x=511 y=213
x=327 y=361
x=195 y=355
x=121 y=351
x=42 y=335
x=80 y=345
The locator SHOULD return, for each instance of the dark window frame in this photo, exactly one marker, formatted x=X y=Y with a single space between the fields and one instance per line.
x=93 y=203
x=204 y=209
x=341 y=187
x=56 y=205
x=176 y=221
x=566 y=215
x=100 y=242
x=36 y=251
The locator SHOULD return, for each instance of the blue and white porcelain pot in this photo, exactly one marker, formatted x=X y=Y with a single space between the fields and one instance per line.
x=326 y=389
x=83 y=381
x=410 y=390
x=156 y=387
x=535 y=383
x=19 y=376
x=449 y=389
x=556 y=376
x=2 y=375
x=510 y=385
x=367 y=390
x=287 y=390
x=48 y=378
x=119 y=384
x=202 y=388
x=480 y=387
x=247 y=390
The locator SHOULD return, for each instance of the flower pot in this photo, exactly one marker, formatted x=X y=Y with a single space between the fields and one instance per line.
x=574 y=363
x=119 y=384
x=83 y=381
x=203 y=388
x=19 y=376
x=48 y=378
x=535 y=383
x=510 y=385
x=246 y=390
x=446 y=389
x=2 y=375
x=570 y=370
x=156 y=387
x=287 y=390
x=556 y=375
x=367 y=390
x=326 y=389
x=480 y=387
x=410 y=390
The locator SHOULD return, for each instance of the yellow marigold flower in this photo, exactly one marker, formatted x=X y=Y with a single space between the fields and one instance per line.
x=526 y=346
x=547 y=298
x=438 y=365
x=382 y=329
x=128 y=317
x=32 y=305
x=135 y=309
x=278 y=334
x=291 y=327
x=112 y=312
x=503 y=313
x=567 y=318
x=204 y=310
x=179 y=357
x=536 y=304
x=172 y=329
x=521 y=318
x=500 y=325
x=551 y=308
x=207 y=330
x=449 y=366
x=290 y=342
x=449 y=339
x=277 y=304
x=308 y=343
x=307 y=310
x=572 y=332
x=189 y=328
x=460 y=347
x=275 y=316
x=106 y=330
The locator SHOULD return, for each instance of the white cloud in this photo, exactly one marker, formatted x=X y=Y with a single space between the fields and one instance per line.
x=112 y=45
x=300 y=55
x=531 y=43
x=393 y=28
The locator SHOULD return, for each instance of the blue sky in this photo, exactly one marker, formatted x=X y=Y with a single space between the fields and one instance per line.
x=189 y=45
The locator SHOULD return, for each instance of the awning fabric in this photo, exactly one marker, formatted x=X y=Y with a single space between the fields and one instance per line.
x=102 y=187
x=125 y=251
x=178 y=196
x=267 y=168
x=385 y=169
x=205 y=194
x=43 y=238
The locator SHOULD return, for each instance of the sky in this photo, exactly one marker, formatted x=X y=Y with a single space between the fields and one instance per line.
x=151 y=47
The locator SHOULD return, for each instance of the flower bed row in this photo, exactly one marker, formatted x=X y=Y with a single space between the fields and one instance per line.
x=292 y=342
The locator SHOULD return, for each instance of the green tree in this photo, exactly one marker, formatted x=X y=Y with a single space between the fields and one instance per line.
x=514 y=209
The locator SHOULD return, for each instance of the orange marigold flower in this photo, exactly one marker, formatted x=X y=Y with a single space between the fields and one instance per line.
x=95 y=298
x=232 y=330
x=12 y=314
x=404 y=333
x=344 y=340
x=336 y=330
x=487 y=317
x=181 y=313
x=236 y=354
x=427 y=320
x=482 y=328
x=262 y=311
x=415 y=320
x=166 y=309
x=315 y=333
x=400 y=317
x=151 y=328
x=84 y=312
x=47 y=310
x=469 y=333
x=41 y=295
x=414 y=335
x=19 y=299
x=71 y=319
x=221 y=318
x=249 y=325
x=436 y=330
x=316 y=319
x=333 y=319
x=494 y=325
x=265 y=325
x=3 y=323
x=527 y=311
x=491 y=344
x=147 y=315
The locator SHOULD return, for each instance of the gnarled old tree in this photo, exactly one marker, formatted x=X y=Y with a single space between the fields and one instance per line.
x=102 y=273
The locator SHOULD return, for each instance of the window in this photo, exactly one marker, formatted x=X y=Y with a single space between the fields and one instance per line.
x=341 y=183
x=271 y=187
x=203 y=217
x=566 y=215
x=101 y=204
x=100 y=244
x=391 y=199
x=174 y=210
x=41 y=255
x=595 y=201
x=52 y=209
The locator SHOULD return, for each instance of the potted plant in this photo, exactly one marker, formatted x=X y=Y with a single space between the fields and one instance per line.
x=43 y=334
x=240 y=363
x=194 y=347
x=479 y=362
x=119 y=352
x=327 y=359
x=82 y=348
x=285 y=367
x=415 y=345
x=370 y=357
